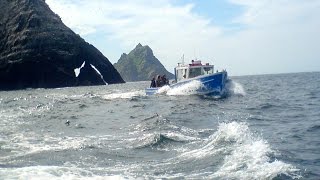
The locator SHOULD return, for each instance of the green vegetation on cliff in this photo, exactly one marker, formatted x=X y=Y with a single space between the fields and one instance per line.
x=140 y=65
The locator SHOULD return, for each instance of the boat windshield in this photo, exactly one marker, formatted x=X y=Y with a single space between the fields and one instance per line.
x=194 y=72
x=198 y=71
x=208 y=70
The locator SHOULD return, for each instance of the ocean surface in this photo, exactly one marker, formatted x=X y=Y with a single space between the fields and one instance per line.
x=267 y=127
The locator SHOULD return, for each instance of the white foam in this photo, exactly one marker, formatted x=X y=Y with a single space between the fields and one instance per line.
x=246 y=155
x=77 y=70
x=151 y=138
x=126 y=95
x=28 y=143
x=236 y=88
x=163 y=90
x=179 y=137
x=54 y=173
x=189 y=88
x=11 y=118
x=99 y=73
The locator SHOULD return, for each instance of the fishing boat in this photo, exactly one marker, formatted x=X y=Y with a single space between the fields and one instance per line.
x=211 y=82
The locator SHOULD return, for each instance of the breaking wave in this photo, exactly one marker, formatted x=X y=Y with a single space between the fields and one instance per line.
x=245 y=155
x=162 y=139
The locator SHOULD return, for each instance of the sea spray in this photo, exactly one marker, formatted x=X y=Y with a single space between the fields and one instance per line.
x=126 y=95
x=164 y=89
x=235 y=88
x=189 y=88
x=245 y=155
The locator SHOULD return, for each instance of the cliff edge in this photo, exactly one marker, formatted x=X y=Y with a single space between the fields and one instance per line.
x=38 y=51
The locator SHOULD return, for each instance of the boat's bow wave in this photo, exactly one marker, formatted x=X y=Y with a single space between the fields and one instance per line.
x=235 y=88
x=193 y=87
x=189 y=88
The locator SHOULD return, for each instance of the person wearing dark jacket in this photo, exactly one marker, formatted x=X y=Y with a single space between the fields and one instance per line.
x=165 y=81
x=153 y=83
x=159 y=81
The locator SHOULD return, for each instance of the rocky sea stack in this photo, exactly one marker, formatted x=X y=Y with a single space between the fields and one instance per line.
x=140 y=65
x=38 y=51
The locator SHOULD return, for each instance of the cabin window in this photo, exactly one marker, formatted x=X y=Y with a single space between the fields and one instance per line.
x=194 y=72
x=208 y=70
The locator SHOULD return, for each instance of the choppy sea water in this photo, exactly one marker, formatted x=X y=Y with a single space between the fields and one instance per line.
x=268 y=127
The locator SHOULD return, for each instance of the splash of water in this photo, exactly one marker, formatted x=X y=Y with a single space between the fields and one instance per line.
x=189 y=88
x=235 y=88
x=163 y=90
x=126 y=95
x=246 y=155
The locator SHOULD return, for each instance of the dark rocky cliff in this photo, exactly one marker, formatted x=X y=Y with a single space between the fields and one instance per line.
x=38 y=51
x=140 y=65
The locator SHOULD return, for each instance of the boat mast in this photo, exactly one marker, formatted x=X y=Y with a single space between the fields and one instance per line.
x=183 y=59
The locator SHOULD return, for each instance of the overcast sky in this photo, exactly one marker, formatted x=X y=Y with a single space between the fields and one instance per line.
x=243 y=36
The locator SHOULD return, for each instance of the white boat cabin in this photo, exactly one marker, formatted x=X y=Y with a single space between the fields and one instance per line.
x=196 y=68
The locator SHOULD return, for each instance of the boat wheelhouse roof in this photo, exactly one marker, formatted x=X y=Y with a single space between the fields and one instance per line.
x=194 y=63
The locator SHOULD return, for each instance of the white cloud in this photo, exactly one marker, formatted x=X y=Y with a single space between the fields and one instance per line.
x=264 y=13
x=274 y=35
x=281 y=36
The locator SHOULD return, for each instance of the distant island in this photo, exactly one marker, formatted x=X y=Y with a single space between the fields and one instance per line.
x=38 y=51
x=140 y=65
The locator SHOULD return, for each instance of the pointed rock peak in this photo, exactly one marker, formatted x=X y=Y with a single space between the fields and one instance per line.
x=141 y=65
x=141 y=50
x=139 y=45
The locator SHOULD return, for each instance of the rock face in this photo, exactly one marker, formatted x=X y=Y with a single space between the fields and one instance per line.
x=140 y=65
x=38 y=51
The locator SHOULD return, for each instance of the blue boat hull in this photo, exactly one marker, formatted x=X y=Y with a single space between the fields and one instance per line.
x=213 y=84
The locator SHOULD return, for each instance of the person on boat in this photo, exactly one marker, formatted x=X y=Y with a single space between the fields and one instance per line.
x=165 y=81
x=153 y=83
x=159 y=81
